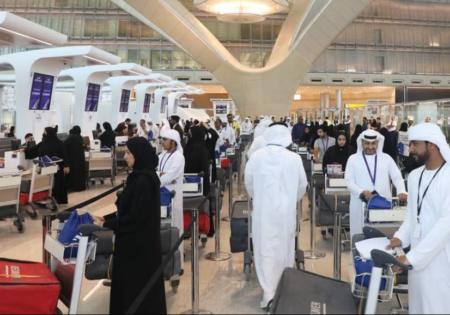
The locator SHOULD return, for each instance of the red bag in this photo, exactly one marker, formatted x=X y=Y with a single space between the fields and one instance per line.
x=204 y=222
x=27 y=288
x=36 y=197
x=225 y=163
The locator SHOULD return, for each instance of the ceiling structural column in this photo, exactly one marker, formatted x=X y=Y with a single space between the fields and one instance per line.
x=309 y=29
x=339 y=104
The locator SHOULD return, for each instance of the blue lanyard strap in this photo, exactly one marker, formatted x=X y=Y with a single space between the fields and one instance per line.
x=373 y=177
x=163 y=165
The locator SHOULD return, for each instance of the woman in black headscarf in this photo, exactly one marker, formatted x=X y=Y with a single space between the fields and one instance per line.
x=108 y=138
x=307 y=137
x=76 y=180
x=51 y=146
x=196 y=157
x=187 y=127
x=390 y=143
x=211 y=140
x=339 y=153
x=11 y=133
x=137 y=228
x=355 y=136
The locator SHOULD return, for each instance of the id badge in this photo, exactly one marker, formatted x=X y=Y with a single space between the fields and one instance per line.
x=418 y=231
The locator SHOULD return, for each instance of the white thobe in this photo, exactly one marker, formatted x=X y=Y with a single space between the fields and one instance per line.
x=257 y=144
x=275 y=188
x=227 y=133
x=173 y=167
x=358 y=180
x=141 y=132
x=246 y=128
x=429 y=281
x=220 y=141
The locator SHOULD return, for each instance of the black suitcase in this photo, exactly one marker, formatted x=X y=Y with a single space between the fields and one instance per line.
x=239 y=227
x=328 y=204
x=302 y=292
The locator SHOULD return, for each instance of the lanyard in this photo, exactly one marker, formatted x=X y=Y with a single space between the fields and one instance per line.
x=420 y=202
x=163 y=165
x=323 y=143
x=373 y=177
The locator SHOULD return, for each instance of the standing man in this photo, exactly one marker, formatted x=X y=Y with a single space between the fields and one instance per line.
x=347 y=123
x=392 y=125
x=246 y=127
x=410 y=123
x=426 y=226
x=378 y=124
x=144 y=130
x=428 y=120
x=171 y=171
x=175 y=125
x=227 y=134
x=322 y=144
x=275 y=188
x=365 y=124
x=298 y=130
x=234 y=125
x=370 y=172
x=256 y=121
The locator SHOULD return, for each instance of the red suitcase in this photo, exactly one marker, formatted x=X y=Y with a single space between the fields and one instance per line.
x=27 y=288
x=225 y=163
x=204 y=222
x=36 y=197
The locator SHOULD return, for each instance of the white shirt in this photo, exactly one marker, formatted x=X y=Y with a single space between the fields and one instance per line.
x=392 y=125
x=227 y=133
x=429 y=281
x=246 y=127
x=141 y=132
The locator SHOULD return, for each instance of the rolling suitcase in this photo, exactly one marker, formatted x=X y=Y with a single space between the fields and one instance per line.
x=27 y=288
x=302 y=292
x=239 y=227
x=204 y=220
x=169 y=238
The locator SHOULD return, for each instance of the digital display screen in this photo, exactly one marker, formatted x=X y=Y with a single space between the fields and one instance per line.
x=184 y=105
x=221 y=109
x=41 y=92
x=147 y=101
x=92 y=98
x=164 y=103
x=125 y=101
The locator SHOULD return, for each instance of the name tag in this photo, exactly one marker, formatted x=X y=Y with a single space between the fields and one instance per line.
x=418 y=231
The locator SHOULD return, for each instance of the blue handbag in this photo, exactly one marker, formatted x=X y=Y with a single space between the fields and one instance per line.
x=70 y=232
x=363 y=270
x=193 y=179
x=166 y=197
x=377 y=202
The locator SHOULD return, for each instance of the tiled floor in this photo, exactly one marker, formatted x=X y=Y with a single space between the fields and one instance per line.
x=223 y=289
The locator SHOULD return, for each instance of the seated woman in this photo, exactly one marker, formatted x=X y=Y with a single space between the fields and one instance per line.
x=307 y=137
x=338 y=154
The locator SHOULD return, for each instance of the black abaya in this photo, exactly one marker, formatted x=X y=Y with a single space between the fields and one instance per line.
x=210 y=143
x=76 y=179
x=51 y=146
x=137 y=229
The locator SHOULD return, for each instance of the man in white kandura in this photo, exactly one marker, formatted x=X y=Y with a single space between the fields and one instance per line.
x=369 y=172
x=427 y=224
x=275 y=188
x=171 y=168
x=259 y=141
x=246 y=127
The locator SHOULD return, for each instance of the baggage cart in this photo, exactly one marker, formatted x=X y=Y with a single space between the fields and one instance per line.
x=101 y=166
x=69 y=269
x=301 y=292
x=385 y=218
x=193 y=185
x=10 y=207
x=40 y=180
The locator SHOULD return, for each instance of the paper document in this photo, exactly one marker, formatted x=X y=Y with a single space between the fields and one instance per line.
x=367 y=246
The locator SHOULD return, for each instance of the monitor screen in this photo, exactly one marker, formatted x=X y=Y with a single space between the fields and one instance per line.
x=221 y=109
x=147 y=101
x=95 y=134
x=15 y=144
x=125 y=101
x=36 y=91
x=41 y=92
x=164 y=103
x=92 y=97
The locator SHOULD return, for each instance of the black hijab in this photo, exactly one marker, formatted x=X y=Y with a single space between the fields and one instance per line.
x=145 y=158
x=306 y=137
x=197 y=137
x=51 y=133
x=338 y=154
x=107 y=126
x=76 y=130
x=355 y=136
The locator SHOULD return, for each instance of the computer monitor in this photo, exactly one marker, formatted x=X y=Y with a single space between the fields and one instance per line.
x=15 y=144
x=95 y=134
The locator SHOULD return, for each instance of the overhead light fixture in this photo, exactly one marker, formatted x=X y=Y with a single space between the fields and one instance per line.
x=26 y=36
x=297 y=97
x=242 y=11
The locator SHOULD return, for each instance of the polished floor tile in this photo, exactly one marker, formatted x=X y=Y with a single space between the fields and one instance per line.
x=223 y=288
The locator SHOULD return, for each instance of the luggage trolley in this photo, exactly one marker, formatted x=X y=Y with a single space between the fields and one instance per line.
x=41 y=180
x=63 y=262
x=329 y=296
x=101 y=166
x=10 y=207
x=241 y=239
x=192 y=197
x=385 y=218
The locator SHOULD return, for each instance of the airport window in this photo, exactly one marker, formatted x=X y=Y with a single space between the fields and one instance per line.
x=135 y=29
x=380 y=64
x=123 y=28
x=144 y=58
x=133 y=56
x=377 y=36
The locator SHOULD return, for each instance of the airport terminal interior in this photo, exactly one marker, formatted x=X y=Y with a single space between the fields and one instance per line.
x=228 y=148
